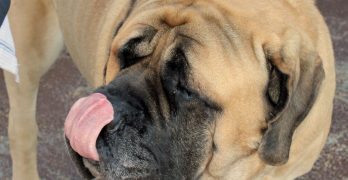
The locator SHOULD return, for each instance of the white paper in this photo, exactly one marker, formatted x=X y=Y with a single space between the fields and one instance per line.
x=8 y=60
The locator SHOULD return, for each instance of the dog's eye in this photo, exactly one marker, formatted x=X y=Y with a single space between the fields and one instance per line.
x=128 y=54
x=185 y=92
x=181 y=92
x=137 y=48
x=175 y=78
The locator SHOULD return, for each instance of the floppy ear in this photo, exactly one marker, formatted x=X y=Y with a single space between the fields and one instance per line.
x=295 y=77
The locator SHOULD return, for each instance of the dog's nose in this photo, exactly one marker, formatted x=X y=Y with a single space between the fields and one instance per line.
x=128 y=105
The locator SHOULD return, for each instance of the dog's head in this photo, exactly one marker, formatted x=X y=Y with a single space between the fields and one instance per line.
x=202 y=89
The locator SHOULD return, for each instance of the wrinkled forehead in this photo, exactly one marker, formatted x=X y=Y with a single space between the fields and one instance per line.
x=218 y=49
x=193 y=18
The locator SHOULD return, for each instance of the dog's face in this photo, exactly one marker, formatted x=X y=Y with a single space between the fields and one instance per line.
x=197 y=96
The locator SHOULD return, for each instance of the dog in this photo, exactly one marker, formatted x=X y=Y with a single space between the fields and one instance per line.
x=201 y=89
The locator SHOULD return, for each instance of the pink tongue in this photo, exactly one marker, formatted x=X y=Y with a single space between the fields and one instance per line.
x=85 y=120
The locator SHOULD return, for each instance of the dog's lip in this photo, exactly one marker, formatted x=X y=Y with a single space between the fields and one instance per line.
x=78 y=162
x=90 y=169
x=93 y=167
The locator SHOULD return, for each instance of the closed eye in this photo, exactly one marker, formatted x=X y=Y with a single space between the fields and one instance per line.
x=137 y=48
x=175 y=83
x=127 y=55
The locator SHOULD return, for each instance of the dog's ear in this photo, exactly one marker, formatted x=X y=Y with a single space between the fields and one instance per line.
x=295 y=76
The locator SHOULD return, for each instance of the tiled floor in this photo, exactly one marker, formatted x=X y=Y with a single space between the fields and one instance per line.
x=63 y=84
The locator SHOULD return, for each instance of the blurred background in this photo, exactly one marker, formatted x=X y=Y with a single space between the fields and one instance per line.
x=63 y=84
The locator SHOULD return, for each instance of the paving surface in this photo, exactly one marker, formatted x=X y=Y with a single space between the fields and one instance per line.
x=62 y=85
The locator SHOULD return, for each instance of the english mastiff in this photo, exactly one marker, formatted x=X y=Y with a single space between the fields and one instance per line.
x=198 y=89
